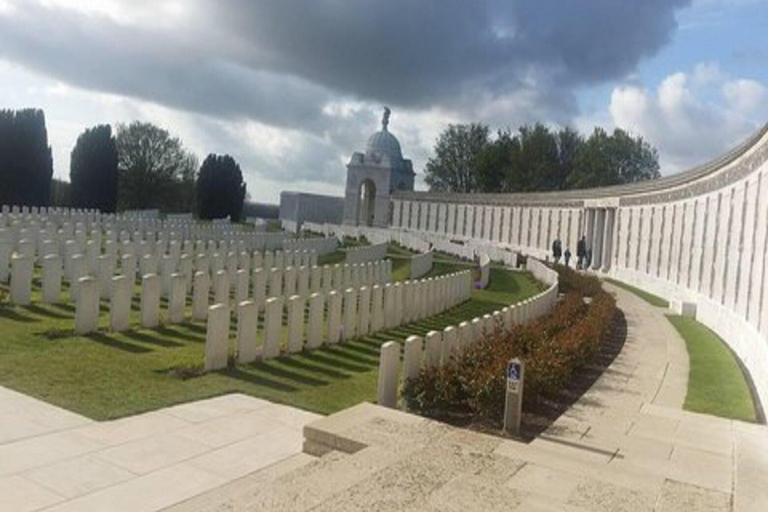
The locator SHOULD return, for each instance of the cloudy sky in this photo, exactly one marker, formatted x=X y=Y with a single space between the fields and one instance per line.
x=291 y=88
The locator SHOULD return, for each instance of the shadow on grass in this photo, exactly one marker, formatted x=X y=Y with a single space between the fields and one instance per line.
x=11 y=314
x=146 y=337
x=65 y=307
x=272 y=368
x=327 y=357
x=257 y=380
x=108 y=341
x=313 y=368
x=180 y=334
x=41 y=311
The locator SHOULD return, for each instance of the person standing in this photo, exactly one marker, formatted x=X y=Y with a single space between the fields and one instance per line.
x=567 y=256
x=581 y=252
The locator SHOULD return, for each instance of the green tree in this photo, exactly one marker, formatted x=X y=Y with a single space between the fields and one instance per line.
x=615 y=159
x=153 y=168
x=453 y=168
x=220 y=188
x=93 y=170
x=26 y=162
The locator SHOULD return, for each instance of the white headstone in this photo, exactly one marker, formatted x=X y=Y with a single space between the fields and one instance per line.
x=150 y=300
x=273 y=327
x=120 y=304
x=52 y=273
x=21 y=279
x=389 y=370
x=247 y=321
x=217 y=338
x=315 y=327
x=87 y=308
x=295 y=324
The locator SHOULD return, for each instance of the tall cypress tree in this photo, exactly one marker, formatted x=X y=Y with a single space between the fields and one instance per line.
x=26 y=162
x=220 y=188
x=93 y=170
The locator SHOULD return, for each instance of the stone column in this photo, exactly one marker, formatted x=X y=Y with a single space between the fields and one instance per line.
x=247 y=319
x=87 y=310
x=610 y=220
x=597 y=239
x=315 y=328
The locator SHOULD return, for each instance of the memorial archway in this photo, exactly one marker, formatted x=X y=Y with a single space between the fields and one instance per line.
x=366 y=203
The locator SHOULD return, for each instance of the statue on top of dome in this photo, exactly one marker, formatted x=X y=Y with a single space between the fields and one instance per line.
x=385 y=119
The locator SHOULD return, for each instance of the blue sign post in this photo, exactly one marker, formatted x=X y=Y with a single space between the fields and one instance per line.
x=513 y=406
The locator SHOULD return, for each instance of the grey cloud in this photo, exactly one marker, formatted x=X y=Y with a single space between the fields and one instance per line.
x=505 y=62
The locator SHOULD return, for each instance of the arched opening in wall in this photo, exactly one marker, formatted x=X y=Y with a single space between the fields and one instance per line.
x=367 y=203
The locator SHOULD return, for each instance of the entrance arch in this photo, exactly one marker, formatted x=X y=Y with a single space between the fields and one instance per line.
x=366 y=203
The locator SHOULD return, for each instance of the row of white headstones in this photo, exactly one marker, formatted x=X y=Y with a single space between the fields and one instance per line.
x=438 y=347
x=358 y=311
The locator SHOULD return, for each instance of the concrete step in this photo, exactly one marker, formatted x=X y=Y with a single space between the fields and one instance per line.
x=238 y=494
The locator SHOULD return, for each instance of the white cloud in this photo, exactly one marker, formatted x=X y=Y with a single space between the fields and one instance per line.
x=691 y=117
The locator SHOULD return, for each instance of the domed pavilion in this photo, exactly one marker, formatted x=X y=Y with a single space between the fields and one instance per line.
x=372 y=176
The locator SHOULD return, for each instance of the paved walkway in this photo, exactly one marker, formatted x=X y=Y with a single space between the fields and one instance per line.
x=54 y=460
x=625 y=445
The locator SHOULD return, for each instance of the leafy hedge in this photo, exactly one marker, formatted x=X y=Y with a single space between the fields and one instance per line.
x=552 y=347
x=573 y=281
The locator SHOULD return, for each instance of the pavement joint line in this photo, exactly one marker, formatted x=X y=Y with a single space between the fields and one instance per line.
x=577 y=446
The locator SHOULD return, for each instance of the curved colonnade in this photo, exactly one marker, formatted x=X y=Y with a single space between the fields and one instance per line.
x=697 y=238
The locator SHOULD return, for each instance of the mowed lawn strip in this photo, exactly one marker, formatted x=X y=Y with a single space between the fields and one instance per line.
x=108 y=375
x=653 y=300
x=716 y=383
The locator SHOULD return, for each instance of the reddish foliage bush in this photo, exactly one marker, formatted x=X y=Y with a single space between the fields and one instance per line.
x=552 y=347
x=573 y=281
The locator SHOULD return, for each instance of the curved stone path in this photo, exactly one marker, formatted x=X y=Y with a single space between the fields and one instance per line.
x=625 y=445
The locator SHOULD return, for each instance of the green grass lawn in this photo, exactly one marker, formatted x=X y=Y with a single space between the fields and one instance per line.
x=716 y=383
x=107 y=375
x=653 y=300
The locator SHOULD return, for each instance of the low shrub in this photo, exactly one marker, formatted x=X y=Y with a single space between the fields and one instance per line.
x=552 y=347
x=572 y=281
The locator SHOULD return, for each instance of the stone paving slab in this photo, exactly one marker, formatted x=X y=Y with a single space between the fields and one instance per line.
x=51 y=459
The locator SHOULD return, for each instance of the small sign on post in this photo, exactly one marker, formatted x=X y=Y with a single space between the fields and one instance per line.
x=513 y=405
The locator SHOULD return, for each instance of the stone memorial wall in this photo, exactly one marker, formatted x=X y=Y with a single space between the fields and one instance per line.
x=697 y=238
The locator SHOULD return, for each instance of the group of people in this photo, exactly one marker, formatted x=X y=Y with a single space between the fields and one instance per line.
x=583 y=253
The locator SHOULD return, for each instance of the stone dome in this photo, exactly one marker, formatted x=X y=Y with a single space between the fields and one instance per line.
x=384 y=143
